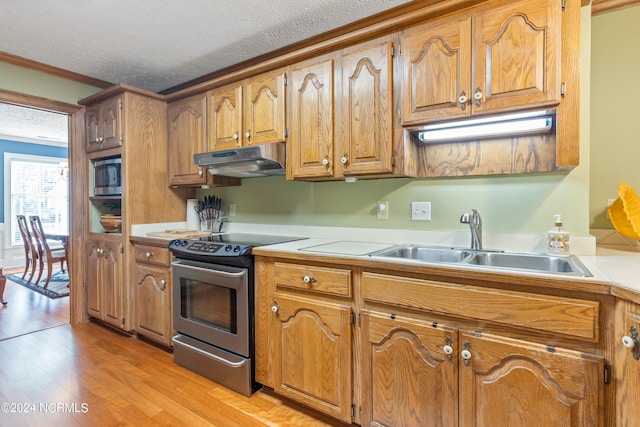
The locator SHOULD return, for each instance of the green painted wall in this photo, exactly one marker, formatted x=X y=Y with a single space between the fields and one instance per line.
x=30 y=82
x=515 y=204
x=615 y=108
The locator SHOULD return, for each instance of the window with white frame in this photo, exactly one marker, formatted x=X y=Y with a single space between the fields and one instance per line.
x=35 y=185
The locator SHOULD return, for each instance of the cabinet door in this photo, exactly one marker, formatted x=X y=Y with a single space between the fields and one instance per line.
x=517 y=51
x=112 y=282
x=94 y=290
x=187 y=136
x=410 y=372
x=627 y=367
x=508 y=382
x=314 y=350
x=153 y=300
x=264 y=109
x=436 y=64
x=92 y=120
x=367 y=110
x=310 y=147
x=110 y=122
x=225 y=117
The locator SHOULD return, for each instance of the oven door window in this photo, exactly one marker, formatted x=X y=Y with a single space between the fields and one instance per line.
x=209 y=304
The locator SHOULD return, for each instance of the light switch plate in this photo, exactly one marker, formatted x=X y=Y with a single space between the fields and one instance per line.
x=382 y=209
x=420 y=211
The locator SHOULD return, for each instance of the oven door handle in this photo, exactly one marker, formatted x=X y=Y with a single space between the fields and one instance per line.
x=210 y=355
x=208 y=270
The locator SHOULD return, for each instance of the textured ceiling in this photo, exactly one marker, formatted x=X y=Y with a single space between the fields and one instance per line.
x=158 y=44
x=31 y=125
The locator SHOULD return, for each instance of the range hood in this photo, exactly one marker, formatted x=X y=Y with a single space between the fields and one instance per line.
x=245 y=162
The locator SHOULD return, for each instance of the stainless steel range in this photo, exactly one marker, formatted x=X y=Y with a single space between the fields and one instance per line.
x=213 y=296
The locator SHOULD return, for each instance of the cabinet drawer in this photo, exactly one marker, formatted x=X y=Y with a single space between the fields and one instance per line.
x=152 y=255
x=566 y=316
x=326 y=280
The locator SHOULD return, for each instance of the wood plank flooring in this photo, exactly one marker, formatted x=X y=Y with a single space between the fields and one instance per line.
x=28 y=311
x=90 y=375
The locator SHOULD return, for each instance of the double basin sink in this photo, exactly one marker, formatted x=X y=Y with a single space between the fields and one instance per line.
x=532 y=262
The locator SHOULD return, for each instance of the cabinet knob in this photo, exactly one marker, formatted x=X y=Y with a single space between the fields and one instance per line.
x=447 y=350
x=466 y=354
x=200 y=172
x=163 y=284
x=631 y=342
x=308 y=279
x=235 y=136
x=628 y=342
x=325 y=161
x=148 y=255
x=345 y=159
x=248 y=134
x=478 y=97
x=275 y=307
x=462 y=100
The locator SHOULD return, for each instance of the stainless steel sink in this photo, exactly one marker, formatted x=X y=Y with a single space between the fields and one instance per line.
x=570 y=265
x=534 y=262
x=425 y=253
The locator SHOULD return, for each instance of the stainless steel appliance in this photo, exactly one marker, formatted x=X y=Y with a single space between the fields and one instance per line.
x=245 y=162
x=107 y=176
x=213 y=290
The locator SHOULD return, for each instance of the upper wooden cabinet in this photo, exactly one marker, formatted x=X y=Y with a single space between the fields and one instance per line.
x=493 y=59
x=187 y=136
x=103 y=122
x=341 y=114
x=251 y=112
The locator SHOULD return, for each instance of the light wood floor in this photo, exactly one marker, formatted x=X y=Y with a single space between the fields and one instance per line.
x=28 y=311
x=90 y=375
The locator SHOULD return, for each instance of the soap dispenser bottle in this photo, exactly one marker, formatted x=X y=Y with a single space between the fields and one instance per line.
x=558 y=239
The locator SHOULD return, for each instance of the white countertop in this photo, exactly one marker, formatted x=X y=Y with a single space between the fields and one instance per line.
x=616 y=264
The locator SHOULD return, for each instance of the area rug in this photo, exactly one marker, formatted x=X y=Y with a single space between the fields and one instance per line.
x=58 y=285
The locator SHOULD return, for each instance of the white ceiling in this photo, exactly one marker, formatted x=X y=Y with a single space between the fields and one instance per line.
x=158 y=44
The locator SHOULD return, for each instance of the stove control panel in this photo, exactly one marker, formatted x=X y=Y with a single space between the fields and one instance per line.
x=208 y=248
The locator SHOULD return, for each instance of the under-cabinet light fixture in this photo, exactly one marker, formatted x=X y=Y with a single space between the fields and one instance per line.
x=514 y=124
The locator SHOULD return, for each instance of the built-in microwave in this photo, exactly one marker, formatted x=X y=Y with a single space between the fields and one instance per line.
x=107 y=177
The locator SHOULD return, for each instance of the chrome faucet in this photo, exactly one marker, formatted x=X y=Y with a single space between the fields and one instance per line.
x=475 y=224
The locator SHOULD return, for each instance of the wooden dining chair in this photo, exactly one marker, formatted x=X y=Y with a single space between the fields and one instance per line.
x=30 y=248
x=45 y=252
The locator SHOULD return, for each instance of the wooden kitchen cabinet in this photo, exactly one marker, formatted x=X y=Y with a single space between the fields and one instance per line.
x=106 y=291
x=249 y=112
x=342 y=125
x=627 y=362
x=496 y=58
x=304 y=329
x=509 y=382
x=152 y=280
x=103 y=124
x=410 y=371
x=490 y=379
x=187 y=136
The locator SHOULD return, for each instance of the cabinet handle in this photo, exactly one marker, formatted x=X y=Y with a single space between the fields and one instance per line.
x=248 y=134
x=631 y=342
x=325 y=162
x=462 y=100
x=466 y=353
x=345 y=159
x=308 y=279
x=478 y=97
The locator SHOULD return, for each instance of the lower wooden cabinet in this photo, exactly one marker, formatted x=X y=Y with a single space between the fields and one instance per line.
x=627 y=363
x=152 y=281
x=106 y=291
x=383 y=350
x=417 y=373
x=313 y=339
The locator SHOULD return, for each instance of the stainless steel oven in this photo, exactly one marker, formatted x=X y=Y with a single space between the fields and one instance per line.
x=213 y=290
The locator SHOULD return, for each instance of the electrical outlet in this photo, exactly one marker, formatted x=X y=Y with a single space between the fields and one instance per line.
x=232 y=209
x=382 y=209
x=420 y=211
